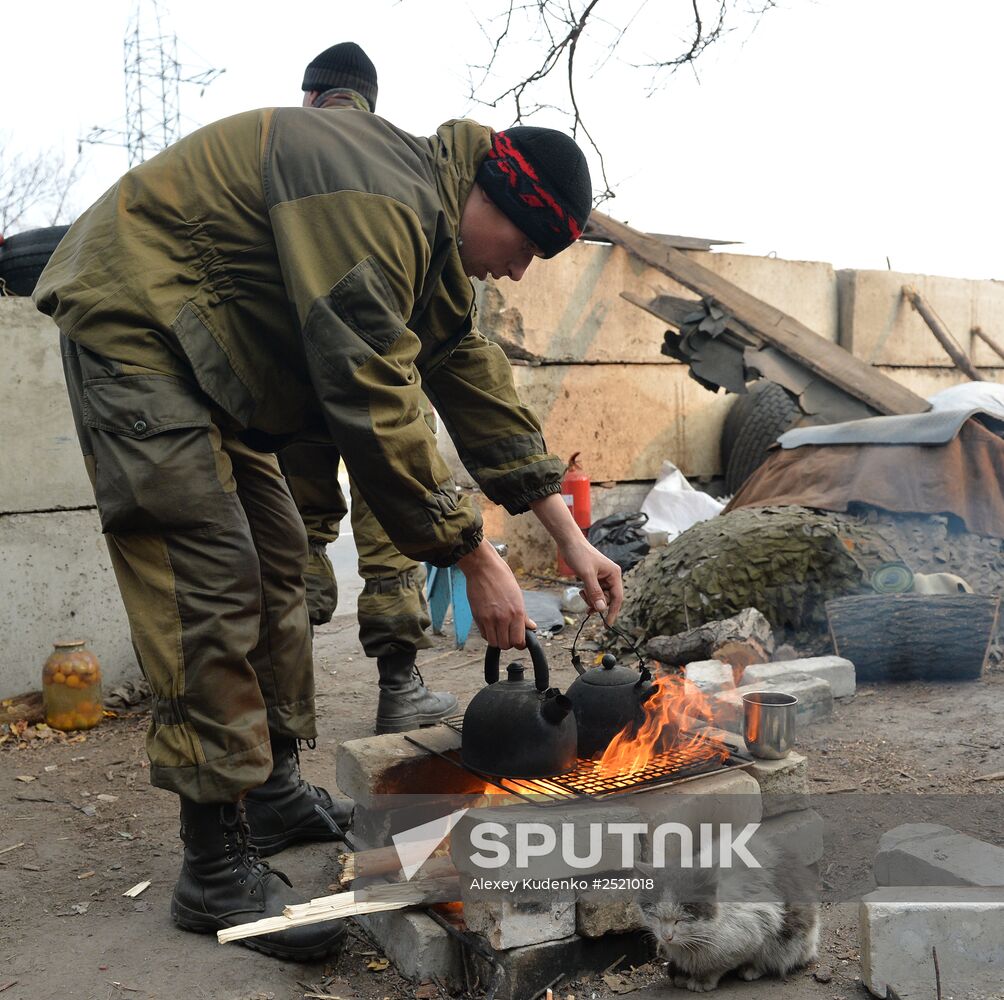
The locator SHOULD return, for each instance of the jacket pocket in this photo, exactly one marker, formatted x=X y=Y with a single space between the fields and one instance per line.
x=363 y=300
x=155 y=465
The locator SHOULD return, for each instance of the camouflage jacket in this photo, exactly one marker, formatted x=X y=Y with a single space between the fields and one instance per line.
x=300 y=267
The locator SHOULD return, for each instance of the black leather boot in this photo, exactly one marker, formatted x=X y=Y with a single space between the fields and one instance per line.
x=223 y=883
x=284 y=810
x=405 y=702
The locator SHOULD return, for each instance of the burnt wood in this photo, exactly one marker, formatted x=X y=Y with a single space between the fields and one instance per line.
x=775 y=327
x=903 y=637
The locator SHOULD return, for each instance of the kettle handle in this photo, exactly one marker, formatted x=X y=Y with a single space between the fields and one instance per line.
x=537 y=657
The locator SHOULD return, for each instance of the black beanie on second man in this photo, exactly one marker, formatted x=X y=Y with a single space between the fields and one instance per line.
x=343 y=65
x=539 y=179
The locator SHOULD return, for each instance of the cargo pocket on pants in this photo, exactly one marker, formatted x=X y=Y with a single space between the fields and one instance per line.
x=155 y=466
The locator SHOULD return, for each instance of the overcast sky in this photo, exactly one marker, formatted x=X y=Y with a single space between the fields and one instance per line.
x=849 y=131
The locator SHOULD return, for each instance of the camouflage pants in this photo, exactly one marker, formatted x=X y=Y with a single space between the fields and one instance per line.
x=208 y=551
x=393 y=611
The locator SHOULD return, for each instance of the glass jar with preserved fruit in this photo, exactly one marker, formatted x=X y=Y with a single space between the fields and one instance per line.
x=71 y=687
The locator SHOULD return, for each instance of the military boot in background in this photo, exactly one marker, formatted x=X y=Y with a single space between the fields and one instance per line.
x=224 y=883
x=287 y=809
x=405 y=702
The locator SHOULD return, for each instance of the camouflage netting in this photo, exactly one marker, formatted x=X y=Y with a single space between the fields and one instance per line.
x=787 y=562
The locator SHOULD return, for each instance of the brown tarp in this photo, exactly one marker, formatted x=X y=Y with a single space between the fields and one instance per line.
x=964 y=477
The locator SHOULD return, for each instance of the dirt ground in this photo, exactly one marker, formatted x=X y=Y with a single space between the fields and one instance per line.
x=87 y=826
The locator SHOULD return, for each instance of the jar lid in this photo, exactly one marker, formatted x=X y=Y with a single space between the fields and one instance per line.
x=70 y=643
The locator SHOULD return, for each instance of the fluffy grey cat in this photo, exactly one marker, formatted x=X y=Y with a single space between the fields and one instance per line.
x=754 y=922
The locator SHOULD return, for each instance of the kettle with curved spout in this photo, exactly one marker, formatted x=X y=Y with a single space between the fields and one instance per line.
x=517 y=728
x=605 y=699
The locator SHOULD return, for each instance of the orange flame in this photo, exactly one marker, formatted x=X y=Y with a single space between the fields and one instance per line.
x=675 y=704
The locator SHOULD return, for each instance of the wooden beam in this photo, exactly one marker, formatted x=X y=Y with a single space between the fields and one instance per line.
x=989 y=341
x=821 y=356
x=952 y=347
x=680 y=242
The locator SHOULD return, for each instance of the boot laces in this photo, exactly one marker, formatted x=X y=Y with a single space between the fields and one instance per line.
x=246 y=855
x=308 y=789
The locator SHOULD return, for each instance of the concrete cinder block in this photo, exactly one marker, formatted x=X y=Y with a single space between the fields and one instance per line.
x=372 y=769
x=56 y=582
x=899 y=927
x=835 y=670
x=528 y=970
x=43 y=467
x=784 y=784
x=797 y=836
x=419 y=948
x=930 y=854
x=711 y=676
x=599 y=912
x=518 y=919
x=815 y=701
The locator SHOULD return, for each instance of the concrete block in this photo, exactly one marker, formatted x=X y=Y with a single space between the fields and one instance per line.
x=56 y=582
x=375 y=827
x=528 y=970
x=599 y=912
x=797 y=835
x=711 y=676
x=835 y=670
x=784 y=784
x=43 y=467
x=587 y=840
x=815 y=701
x=899 y=927
x=519 y=918
x=419 y=948
x=929 y=854
x=376 y=767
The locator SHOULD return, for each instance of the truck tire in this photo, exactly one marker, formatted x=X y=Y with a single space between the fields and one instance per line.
x=754 y=423
x=24 y=256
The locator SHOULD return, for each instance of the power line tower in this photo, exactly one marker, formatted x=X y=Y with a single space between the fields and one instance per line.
x=153 y=78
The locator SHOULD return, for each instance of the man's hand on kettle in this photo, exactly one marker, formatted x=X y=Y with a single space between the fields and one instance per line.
x=495 y=598
x=602 y=587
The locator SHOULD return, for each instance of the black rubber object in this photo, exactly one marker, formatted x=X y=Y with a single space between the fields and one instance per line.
x=24 y=256
x=756 y=420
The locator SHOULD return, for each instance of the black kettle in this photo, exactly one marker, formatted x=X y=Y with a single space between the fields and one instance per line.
x=518 y=729
x=605 y=699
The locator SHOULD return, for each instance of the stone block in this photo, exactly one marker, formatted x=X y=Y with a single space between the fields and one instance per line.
x=711 y=676
x=43 y=467
x=930 y=854
x=898 y=927
x=835 y=670
x=519 y=918
x=815 y=701
x=581 y=839
x=372 y=769
x=376 y=827
x=784 y=784
x=528 y=970
x=56 y=582
x=797 y=835
x=600 y=911
x=419 y=947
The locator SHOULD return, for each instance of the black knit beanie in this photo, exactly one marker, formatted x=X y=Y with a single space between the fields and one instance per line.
x=539 y=178
x=343 y=65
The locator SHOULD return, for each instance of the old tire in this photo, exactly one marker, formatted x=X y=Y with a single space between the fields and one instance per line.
x=754 y=423
x=24 y=256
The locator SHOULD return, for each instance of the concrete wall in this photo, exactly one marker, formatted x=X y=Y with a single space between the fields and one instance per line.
x=56 y=579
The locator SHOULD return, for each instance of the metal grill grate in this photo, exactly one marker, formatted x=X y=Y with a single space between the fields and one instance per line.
x=588 y=781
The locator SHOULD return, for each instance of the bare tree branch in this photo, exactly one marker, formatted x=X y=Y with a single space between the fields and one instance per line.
x=556 y=31
x=33 y=188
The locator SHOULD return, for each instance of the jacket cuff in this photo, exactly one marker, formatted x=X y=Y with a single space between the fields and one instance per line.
x=467 y=545
x=521 y=504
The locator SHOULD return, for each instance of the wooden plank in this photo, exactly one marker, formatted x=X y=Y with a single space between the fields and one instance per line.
x=776 y=327
x=941 y=333
x=680 y=242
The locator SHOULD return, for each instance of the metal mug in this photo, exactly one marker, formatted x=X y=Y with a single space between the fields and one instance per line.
x=769 y=723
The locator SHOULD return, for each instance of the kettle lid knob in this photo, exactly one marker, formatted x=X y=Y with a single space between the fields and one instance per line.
x=609 y=661
x=515 y=671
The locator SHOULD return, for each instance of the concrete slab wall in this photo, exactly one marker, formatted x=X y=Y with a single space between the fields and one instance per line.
x=43 y=469
x=56 y=580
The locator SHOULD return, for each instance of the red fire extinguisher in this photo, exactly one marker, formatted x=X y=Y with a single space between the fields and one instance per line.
x=575 y=493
